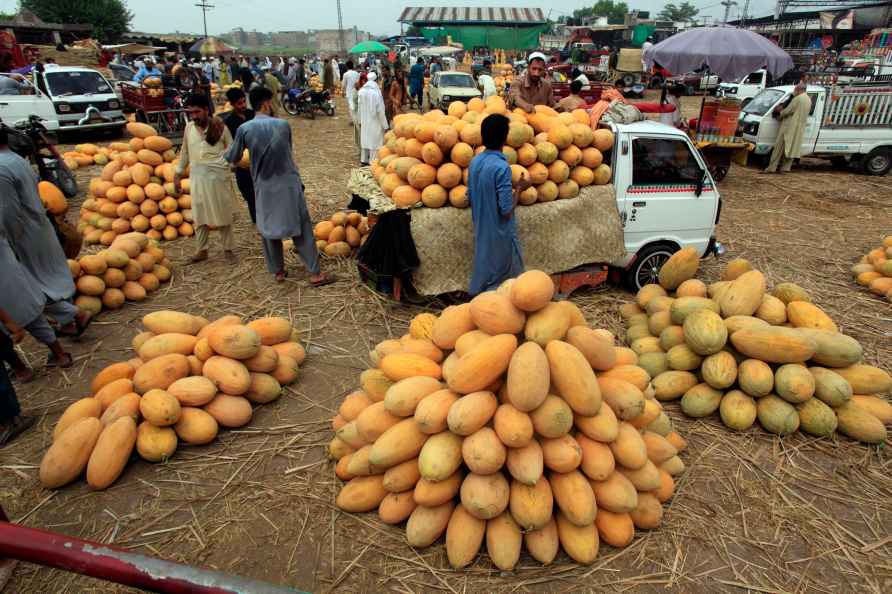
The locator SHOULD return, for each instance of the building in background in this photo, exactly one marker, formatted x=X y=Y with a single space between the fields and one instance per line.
x=491 y=27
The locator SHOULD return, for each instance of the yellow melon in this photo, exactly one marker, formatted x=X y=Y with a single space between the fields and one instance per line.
x=462 y=154
x=449 y=175
x=423 y=175
x=434 y=196
x=603 y=139
x=406 y=196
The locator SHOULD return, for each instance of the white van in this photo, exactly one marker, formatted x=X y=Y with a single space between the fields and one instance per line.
x=666 y=197
x=18 y=108
x=83 y=98
x=748 y=87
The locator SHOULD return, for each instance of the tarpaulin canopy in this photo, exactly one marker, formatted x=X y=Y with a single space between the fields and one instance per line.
x=371 y=47
x=211 y=46
x=492 y=37
x=439 y=50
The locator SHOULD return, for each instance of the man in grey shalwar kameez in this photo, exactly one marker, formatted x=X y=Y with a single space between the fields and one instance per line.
x=25 y=226
x=281 y=208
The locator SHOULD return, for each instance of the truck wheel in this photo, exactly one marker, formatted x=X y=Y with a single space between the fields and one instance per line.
x=646 y=268
x=877 y=162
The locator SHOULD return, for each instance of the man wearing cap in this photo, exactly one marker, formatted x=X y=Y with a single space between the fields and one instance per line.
x=532 y=89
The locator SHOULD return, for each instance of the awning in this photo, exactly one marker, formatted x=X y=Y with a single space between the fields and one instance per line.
x=439 y=50
x=133 y=48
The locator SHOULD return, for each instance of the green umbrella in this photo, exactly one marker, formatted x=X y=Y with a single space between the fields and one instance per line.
x=369 y=47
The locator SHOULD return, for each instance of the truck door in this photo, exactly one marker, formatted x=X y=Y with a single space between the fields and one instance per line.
x=813 y=125
x=660 y=198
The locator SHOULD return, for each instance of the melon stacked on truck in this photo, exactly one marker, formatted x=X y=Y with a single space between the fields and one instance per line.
x=874 y=270
x=135 y=192
x=129 y=270
x=341 y=234
x=507 y=419
x=736 y=348
x=426 y=158
x=189 y=379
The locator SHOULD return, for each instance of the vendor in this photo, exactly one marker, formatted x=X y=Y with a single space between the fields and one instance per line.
x=147 y=70
x=532 y=89
x=497 y=253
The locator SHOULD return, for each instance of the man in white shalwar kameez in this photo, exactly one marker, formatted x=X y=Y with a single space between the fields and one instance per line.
x=794 y=119
x=348 y=85
x=372 y=118
x=205 y=140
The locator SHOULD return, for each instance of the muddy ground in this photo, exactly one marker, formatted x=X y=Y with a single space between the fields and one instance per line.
x=752 y=512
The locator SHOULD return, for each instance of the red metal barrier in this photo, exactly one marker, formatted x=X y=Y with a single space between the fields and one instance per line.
x=119 y=565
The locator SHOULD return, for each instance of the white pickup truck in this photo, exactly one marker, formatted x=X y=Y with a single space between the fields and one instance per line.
x=748 y=87
x=30 y=100
x=666 y=197
x=850 y=124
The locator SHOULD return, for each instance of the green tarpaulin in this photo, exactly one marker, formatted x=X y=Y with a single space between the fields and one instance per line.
x=492 y=37
x=640 y=34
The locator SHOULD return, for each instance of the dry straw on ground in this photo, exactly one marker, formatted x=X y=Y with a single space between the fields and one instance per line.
x=752 y=512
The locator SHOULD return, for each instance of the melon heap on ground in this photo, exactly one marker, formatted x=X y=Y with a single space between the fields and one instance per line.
x=129 y=270
x=135 y=192
x=190 y=378
x=489 y=422
x=426 y=157
x=735 y=348
x=341 y=234
x=874 y=270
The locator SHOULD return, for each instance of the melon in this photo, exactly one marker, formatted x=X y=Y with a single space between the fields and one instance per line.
x=406 y=196
x=547 y=152
x=423 y=174
x=462 y=153
x=603 y=139
x=449 y=175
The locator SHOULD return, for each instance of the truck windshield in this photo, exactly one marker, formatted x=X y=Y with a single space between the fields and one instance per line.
x=762 y=102
x=62 y=84
x=456 y=80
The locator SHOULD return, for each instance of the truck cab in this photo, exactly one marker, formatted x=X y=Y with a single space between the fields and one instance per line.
x=666 y=198
x=32 y=101
x=82 y=98
x=849 y=124
x=748 y=87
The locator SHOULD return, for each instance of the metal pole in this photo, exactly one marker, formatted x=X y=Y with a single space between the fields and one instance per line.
x=204 y=6
x=122 y=566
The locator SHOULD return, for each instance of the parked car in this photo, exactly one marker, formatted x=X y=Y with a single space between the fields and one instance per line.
x=848 y=124
x=18 y=109
x=83 y=99
x=448 y=86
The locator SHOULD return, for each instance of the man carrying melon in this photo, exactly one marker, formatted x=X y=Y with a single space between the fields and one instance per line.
x=278 y=190
x=497 y=252
x=532 y=89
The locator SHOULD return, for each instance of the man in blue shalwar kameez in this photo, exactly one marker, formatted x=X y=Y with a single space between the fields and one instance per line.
x=278 y=190
x=497 y=253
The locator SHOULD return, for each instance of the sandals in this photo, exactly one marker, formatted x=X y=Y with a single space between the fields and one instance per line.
x=321 y=282
x=81 y=323
x=64 y=363
x=14 y=428
x=280 y=276
x=24 y=376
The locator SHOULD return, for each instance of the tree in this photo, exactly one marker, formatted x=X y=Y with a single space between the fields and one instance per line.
x=109 y=18
x=614 y=11
x=683 y=12
x=414 y=31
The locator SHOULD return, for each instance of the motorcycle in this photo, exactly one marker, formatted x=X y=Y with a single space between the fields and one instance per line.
x=323 y=102
x=30 y=140
x=299 y=102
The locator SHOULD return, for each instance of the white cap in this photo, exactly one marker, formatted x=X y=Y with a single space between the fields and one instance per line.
x=372 y=76
x=535 y=56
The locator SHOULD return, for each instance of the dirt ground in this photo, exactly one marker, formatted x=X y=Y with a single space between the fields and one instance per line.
x=751 y=513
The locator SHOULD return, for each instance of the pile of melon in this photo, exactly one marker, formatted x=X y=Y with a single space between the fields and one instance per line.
x=874 y=270
x=189 y=379
x=135 y=193
x=747 y=353
x=129 y=270
x=426 y=158
x=507 y=419
x=341 y=234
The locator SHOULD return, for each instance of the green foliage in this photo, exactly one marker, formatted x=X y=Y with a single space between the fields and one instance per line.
x=109 y=18
x=614 y=11
x=683 y=12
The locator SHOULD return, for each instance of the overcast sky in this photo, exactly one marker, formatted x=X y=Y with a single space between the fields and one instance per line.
x=376 y=16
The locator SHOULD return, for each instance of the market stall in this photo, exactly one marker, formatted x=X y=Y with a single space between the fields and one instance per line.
x=555 y=236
